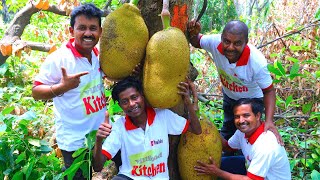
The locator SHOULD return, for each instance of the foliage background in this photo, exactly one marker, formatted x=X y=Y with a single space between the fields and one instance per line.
x=26 y=125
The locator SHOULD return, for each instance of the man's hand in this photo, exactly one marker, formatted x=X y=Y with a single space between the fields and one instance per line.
x=206 y=169
x=70 y=81
x=104 y=129
x=137 y=71
x=184 y=91
x=194 y=28
x=271 y=127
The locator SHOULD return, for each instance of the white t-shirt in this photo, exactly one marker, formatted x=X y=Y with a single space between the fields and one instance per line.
x=266 y=158
x=144 y=154
x=80 y=110
x=244 y=79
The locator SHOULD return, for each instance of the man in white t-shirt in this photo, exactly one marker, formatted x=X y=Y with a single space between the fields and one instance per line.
x=242 y=70
x=142 y=134
x=72 y=77
x=265 y=157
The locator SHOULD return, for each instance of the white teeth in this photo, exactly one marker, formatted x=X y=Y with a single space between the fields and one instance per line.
x=87 y=40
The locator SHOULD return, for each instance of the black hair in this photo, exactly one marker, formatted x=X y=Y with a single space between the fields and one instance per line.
x=256 y=104
x=236 y=27
x=125 y=84
x=89 y=10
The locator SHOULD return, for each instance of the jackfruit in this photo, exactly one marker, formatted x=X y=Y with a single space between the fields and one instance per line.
x=199 y=147
x=166 y=64
x=123 y=41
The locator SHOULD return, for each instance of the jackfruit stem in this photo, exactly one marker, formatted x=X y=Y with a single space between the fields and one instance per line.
x=135 y=2
x=165 y=14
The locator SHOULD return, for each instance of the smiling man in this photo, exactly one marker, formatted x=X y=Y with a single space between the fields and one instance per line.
x=71 y=76
x=242 y=70
x=266 y=159
x=142 y=134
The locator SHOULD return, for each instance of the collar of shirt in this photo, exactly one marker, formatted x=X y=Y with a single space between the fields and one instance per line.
x=150 y=115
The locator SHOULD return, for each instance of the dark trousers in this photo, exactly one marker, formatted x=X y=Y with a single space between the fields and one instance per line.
x=68 y=160
x=234 y=164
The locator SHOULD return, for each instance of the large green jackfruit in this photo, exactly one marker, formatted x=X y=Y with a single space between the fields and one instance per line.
x=166 y=64
x=123 y=41
x=199 y=147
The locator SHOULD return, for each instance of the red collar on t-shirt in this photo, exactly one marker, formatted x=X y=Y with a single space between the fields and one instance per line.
x=150 y=115
x=244 y=58
x=256 y=134
x=74 y=50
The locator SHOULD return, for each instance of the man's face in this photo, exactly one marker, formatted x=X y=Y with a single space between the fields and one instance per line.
x=132 y=103
x=86 y=33
x=245 y=120
x=233 y=45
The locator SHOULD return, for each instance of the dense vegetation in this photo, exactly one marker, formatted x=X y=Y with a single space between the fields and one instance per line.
x=26 y=125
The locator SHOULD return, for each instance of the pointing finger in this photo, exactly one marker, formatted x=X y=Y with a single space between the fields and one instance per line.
x=81 y=74
x=106 y=119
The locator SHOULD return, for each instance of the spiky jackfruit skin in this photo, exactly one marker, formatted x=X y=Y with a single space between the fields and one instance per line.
x=166 y=64
x=123 y=41
x=199 y=147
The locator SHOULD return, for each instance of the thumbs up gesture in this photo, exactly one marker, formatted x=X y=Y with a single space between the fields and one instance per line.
x=71 y=81
x=104 y=129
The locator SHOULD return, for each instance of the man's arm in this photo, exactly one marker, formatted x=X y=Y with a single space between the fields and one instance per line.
x=185 y=87
x=212 y=169
x=103 y=132
x=67 y=83
x=269 y=99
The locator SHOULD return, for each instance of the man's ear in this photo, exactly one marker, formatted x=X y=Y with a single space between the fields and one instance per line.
x=258 y=116
x=71 y=30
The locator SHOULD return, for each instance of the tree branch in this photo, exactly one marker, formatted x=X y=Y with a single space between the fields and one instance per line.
x=289 y=34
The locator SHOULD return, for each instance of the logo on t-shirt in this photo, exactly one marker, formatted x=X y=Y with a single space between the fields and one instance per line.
x=233 y=83
x=155 y=142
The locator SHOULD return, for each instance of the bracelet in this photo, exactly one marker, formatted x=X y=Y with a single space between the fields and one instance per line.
x=55 y=93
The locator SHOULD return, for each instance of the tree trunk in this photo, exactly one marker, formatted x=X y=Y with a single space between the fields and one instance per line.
x=151 y=10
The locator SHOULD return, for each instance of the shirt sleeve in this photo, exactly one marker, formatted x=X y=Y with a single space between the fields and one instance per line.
x=263 y=78
x=50 y=71
x=234 y=141
x=112 y=144
x=209 y=42
x=175 y=123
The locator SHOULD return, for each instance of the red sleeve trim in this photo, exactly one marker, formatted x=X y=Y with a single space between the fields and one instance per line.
x=266 y=89
x=37 y=83
x=186 y=127
x=254 y=177
x=230 y=148
x=199 y=40
x=108 y=155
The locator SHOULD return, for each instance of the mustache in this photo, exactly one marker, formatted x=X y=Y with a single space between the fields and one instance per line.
x=90 y=37
x=243 y=123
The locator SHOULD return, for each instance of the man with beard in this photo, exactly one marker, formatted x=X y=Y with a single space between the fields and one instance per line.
x=72 y=77
x=142 y=134
x=266 y=159
x=242 y=69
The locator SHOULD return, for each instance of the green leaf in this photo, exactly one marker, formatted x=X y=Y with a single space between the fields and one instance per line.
x=288 y=100
x=274 y=55
x=7 y=110
x=34 y=142
x=295 y=48
x=85 y=168
x=315 y=175
x=29 y=115
x=78 y=152
x=317 y=14
x=292 y=59
x=21 y=157
x=317 y=74
x=274 y=70
x=295 y=68
x=107 y=93
x=91 y=139
x=280 y=67
x=3 y=69
x=306 y=108
x=17 y=176
x=71 y=171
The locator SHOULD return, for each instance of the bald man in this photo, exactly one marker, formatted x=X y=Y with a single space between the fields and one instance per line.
x=242 y=70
